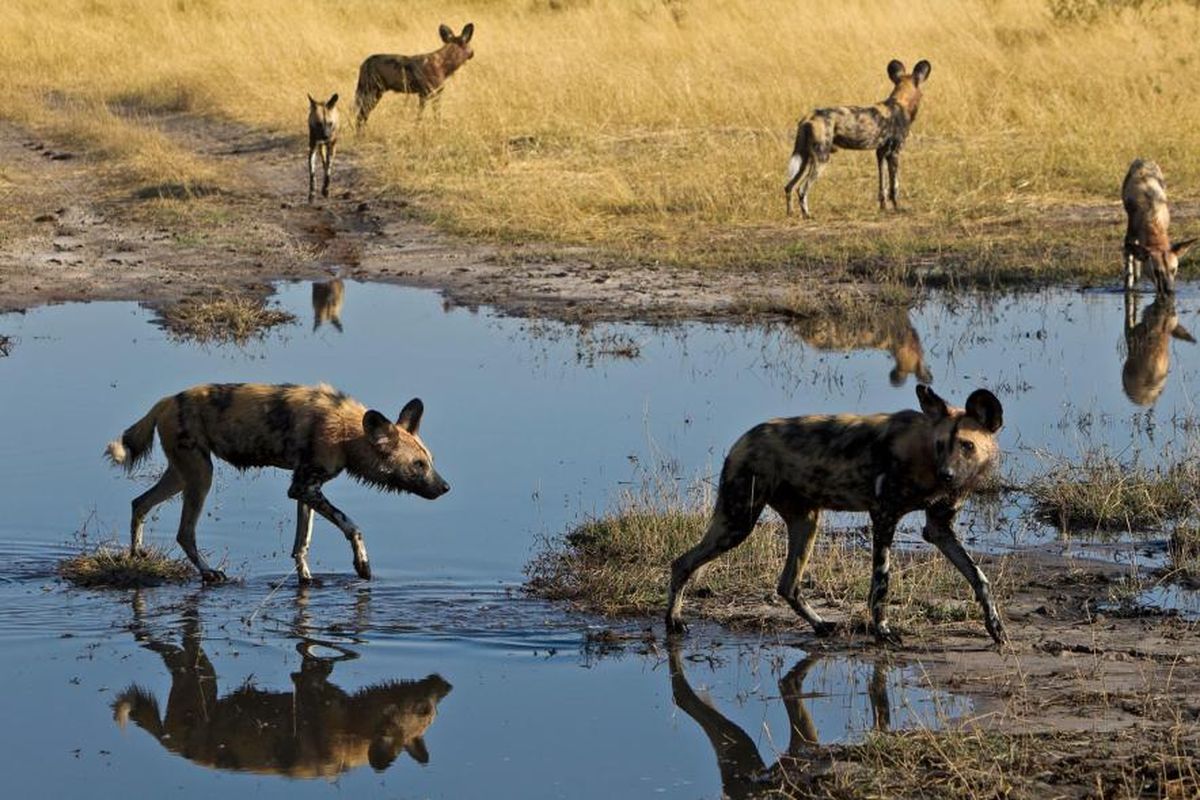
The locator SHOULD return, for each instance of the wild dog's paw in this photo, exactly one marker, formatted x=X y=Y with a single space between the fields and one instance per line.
x=995 y=629
x=676 y=626
x=363 y=568
x=213 y=576
x=888 y=637
x=824 y=629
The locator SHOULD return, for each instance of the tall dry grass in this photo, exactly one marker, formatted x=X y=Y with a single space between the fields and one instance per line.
x=643 y=123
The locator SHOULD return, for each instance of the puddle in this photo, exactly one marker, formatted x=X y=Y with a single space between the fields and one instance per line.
x=534 y=425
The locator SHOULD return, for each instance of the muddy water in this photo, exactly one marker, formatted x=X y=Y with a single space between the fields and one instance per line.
x=437 y=678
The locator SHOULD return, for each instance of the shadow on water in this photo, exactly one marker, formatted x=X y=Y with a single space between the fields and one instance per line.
x=313 y=729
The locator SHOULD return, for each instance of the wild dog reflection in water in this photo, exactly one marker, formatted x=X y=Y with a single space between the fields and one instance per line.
x=744 y=774
x=1144 y=373
x=890 y=329
x=315 y=729
x=327 y=299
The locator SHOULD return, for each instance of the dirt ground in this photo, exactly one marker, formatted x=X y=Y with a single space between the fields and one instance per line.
x=69 y=237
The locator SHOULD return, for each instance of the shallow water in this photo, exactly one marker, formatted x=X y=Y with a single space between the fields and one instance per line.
x=534 y=425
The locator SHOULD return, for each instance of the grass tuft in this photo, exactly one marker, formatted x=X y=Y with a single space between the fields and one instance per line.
x=111 y=565
x=222 y=319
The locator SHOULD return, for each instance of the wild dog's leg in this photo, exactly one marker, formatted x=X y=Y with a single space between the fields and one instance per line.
x=877 y=691
x=312 y=168
x=328 y=163
x=802 y=535
x=169 y=485
x=1127 y=266
x=304 y=523
x=819 y=160
x=791 y=691
x=196 y=467
x=366 y=99
x=893 y=162
x=939 y=531
x=880 y=155
x=739 y=503
x=306 y=488
x=805 y=163
x=883 y=530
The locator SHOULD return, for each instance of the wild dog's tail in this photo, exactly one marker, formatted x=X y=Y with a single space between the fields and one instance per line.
x=798 y=151
x=134 y=445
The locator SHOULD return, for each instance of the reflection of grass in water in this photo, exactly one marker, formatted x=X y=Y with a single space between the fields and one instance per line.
x=1099 y=493
x=619 y=563
x=111 y=565
x=222 y=319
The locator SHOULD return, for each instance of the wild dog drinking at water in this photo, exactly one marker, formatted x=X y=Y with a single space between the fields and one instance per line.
x=422 y=75
x=315 y=431
x=1144 y=195
x=882 y=127
x=323 y=126
x=884 y=464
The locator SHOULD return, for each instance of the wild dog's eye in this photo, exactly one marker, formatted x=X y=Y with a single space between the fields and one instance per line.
x=421 y=465
x=967 y=447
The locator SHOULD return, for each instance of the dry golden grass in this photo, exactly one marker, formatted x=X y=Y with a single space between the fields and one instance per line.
x=111 y=565
x=654 y=127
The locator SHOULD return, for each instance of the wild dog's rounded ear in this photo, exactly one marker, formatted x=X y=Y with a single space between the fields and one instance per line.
x=332 y=101
x=417 y=749
x=984 y=407
x=931 y=404
x=1179 y=248
x=445 y=32
x=896 y=377
x=895 y=70
x=410 y=415
x=311 y=102
x=468 y=32
x=379 y=429
x=921 y=72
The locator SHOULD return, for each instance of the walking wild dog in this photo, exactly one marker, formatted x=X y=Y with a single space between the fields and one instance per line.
x=422 y=75
x=1144 y=195
x=323 y=125
x=882 y=127
x=315 y=431
x=884 y=464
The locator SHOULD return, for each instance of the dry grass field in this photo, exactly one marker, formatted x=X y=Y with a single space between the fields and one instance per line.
x=661 y=129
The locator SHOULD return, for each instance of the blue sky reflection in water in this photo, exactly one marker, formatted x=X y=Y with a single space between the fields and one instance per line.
x=535 y=426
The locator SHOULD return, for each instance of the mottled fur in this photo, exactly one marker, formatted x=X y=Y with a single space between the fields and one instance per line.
x=423 y=75
x=313 y=730
x=315 y=431
x=1144 y=195
x=892 y=331
x=323 y=125
x=1148 y=345
x=884 y=464
x=327 y=299
x=882 y=127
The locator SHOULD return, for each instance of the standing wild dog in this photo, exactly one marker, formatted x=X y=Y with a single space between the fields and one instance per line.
x=1144 y=195
x=422 y=75
x=315 y=431
x=884 y=464
x=882 y=127
x=323 y=125
x=1148 y=346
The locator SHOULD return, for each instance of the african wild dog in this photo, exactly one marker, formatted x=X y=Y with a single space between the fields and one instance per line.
x=1144 y=195
x=323 y=126
x=327 y=299
x=422 y=75
x=891 y=330
x=1148 y=346
x=882 y=127
x=314 y=729
x=885 y=464
x=315 y=431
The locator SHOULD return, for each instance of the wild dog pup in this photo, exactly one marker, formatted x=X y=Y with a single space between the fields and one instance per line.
x=884 y=464
x=882 y=127
x=323 y=126
x=315 y=431
x=1144 y=195
x=422 y=75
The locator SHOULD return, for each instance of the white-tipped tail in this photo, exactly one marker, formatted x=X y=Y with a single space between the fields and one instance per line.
x=794 y=166
x=116 y=452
